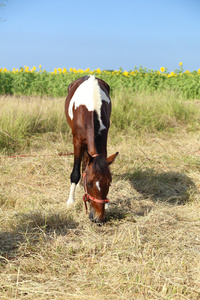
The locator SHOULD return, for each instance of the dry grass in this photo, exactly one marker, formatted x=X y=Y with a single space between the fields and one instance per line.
x=23 y=117
x=149 y=247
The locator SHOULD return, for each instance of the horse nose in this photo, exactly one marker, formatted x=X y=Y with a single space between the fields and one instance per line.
x=99 y=220
x=91 y=215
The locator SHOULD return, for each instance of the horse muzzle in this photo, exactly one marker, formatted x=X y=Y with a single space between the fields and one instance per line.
x=99 y=219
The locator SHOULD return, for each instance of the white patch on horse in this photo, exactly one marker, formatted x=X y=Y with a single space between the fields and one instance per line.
x=91 y=95
x=70 y=201
x=97 y=185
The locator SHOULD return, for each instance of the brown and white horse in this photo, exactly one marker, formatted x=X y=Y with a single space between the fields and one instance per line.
x=88 y=109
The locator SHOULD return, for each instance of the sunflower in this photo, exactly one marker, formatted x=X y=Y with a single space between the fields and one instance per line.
x=125 y=73
x=98 y=70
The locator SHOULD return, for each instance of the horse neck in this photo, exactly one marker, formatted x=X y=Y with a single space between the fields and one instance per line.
x=97 y=142
x=96 y=147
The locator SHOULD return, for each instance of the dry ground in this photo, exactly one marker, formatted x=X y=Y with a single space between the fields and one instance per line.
x=149 y=247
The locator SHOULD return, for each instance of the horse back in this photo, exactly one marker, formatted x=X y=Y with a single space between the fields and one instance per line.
x=88 y=108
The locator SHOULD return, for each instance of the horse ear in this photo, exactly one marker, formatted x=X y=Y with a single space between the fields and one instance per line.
x=90 y=158
x=111 y=158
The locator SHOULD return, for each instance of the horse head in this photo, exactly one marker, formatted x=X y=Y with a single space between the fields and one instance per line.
x=96 y=180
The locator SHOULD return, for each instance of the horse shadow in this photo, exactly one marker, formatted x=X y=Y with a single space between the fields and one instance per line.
x=151 y=186
x=171 y=187
x=32 y=228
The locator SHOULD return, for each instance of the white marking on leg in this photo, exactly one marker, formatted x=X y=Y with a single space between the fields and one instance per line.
x=71 y=200
x=79 y=185
x=98 y=186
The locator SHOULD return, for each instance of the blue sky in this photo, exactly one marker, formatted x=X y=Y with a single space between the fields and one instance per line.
x=106 y=34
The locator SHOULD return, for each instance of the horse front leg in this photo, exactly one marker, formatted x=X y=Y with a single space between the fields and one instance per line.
x=75 y=175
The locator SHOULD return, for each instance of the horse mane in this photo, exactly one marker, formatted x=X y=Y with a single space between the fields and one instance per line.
x=100 y=166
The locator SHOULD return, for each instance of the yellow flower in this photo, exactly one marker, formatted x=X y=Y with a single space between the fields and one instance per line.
x=198 y=71
x=70 y=69
x=64 y=70
x=40 y=66
x=162 y=69
x=80 y=71
x=158 y=72
x=55 y=71
x=180 y=64
x=172 y=73
x=125 y=73
x=98 y=70
x=34 y=68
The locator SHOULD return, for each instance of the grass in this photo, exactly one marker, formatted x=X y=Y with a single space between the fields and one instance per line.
x=156 y=112
x=23 y=118
x=28 y=81
x=149 y=247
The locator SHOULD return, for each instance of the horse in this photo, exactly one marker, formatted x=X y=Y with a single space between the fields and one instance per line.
x=88 y=109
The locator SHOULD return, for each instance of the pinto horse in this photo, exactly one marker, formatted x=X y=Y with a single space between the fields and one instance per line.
x=88 y=109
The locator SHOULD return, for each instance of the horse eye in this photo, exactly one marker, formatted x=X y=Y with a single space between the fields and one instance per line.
x=90 y=184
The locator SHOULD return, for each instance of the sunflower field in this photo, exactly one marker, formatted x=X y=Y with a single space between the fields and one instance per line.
x=33 y=81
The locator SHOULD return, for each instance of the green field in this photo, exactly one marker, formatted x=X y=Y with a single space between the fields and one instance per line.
x=149 y=248
x=25 y=81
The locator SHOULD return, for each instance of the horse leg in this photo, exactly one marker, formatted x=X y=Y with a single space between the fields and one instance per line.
x=84 y=162
x=75 y=175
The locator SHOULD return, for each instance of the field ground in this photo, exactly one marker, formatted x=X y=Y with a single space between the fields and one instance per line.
x=149 y=247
